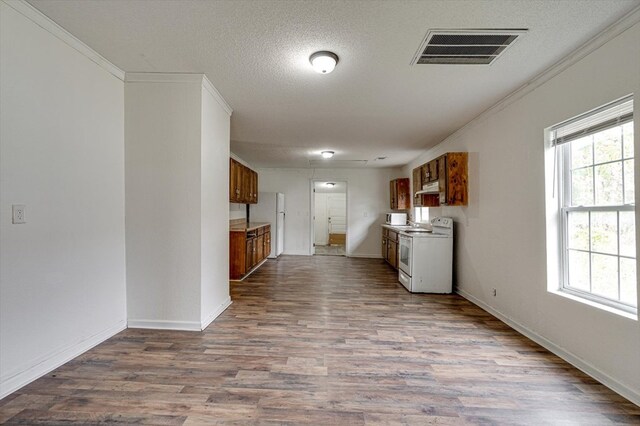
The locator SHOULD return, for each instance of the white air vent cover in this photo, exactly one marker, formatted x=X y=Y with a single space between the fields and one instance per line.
x=465 y=47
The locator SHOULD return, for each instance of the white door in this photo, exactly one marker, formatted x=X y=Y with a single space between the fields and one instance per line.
x=321 y=221
x=337 y=212
x=280 y=216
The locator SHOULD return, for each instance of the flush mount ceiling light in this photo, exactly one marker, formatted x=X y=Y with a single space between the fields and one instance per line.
x=323 y=62
x=327 y=154
x=331 y=184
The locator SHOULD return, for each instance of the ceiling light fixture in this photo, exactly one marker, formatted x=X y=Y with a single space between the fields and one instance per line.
x=327 y=154
x=323 y=62
x=331 y=184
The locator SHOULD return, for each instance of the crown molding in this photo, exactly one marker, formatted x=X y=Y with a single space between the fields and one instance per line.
x=217 y=96
x=163 y=77
x=590 y=46
x=167 y=77
x=56 y=30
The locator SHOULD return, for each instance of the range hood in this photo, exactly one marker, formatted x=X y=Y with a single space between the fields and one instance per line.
x=430 y=188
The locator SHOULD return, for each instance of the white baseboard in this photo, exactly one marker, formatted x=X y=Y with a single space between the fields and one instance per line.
x=165 y=325
x=26 y=374
x=613 y=384
x=215 y=314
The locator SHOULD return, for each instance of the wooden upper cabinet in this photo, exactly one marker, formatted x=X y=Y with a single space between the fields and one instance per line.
x=243 y=183
x=450 y=171
x=393 y=194
x=400 y=194
x=254 y=187
x=417 y=186
x=404 y=194
x=457 y=188
x=235 y=180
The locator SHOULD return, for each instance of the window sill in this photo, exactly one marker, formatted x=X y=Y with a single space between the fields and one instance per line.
x=595 y=304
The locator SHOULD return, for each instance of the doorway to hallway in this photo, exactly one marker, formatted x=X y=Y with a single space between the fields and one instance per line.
x=329 y=218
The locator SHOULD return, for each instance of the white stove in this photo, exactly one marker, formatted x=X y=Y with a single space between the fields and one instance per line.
x=426 y=258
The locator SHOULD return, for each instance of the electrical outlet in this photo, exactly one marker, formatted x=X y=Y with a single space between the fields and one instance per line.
x=18 y=215
x=495 y=292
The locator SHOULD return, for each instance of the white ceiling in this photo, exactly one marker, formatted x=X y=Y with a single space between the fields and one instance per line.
x=375 y=104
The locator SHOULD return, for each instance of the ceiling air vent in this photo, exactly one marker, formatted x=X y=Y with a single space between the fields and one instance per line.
x=465 y=47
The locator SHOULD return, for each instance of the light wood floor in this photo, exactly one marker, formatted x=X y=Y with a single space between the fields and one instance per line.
x=331 y=250
x=323 y=340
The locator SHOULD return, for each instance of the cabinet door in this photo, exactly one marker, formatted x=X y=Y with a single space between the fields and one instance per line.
x=404 y=194
x=245 y=181
x=249 y=186
x=249 y=255
x=392 y=195
x=255 y=187
x=237 y=254
x=425 y=174
x=431 y=171
x=442 y=174
x=255 y=252
x=393 y=254
x=235 y=181
x=417 y=186
x=457 y=190
x=267 y=243
x=385 y=254
x=260 y=248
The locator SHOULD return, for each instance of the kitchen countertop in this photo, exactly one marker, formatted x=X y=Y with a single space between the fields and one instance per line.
x=400 y=228
x=247 y=227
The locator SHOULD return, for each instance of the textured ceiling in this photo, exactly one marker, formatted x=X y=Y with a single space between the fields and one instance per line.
x=375 y=104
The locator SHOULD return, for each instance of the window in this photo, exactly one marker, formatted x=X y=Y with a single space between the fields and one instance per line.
x=421 y=214
x=595 y=163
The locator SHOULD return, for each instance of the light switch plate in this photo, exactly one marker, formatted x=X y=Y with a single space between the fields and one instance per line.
x=18 y=213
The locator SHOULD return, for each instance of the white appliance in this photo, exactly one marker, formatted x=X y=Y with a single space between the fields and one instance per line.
x=270 y=208
x=396 y=219
x=425 y=259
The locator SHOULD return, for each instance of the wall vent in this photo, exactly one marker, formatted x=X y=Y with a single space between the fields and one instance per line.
x=465 y=47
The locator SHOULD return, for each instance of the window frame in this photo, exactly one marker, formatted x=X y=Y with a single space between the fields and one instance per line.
x=563 y=187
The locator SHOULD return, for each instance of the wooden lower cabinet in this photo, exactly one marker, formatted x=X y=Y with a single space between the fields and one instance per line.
x=393 y=254
x=390 y=246
x=247 y=248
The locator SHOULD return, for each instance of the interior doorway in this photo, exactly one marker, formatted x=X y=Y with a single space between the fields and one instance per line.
x=329 y=218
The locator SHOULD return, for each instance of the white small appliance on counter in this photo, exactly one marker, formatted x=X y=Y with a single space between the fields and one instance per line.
x=270 y=208
x=396 y=219
x=425 y=258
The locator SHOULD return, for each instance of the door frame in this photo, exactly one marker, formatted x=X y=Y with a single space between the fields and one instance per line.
x=312 y=210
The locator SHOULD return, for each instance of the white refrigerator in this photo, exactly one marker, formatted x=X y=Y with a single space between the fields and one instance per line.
x=270 y=208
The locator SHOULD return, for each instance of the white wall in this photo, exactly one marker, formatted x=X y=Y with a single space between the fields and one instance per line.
x=500 y=236
x=177 y=188
x=367 y=203
x=215 y=216
x=163 y=202
x=62 y=279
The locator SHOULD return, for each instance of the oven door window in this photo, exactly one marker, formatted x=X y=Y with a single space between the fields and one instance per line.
x=405 y=252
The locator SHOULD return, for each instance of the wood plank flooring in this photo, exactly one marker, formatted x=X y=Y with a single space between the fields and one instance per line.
x=323 y=340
